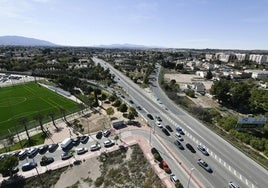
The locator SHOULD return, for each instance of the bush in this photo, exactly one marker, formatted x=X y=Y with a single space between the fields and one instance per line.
x=158 y=157
x=99 y=181
x=178 y=185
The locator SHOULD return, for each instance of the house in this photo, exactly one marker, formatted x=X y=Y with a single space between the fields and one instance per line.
x=199 y=87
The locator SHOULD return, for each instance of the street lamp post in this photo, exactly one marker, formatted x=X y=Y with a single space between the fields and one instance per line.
x=190 y=176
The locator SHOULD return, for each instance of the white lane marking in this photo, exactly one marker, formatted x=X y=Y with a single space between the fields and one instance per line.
x=246 y=181
x=235 y=172
x=215 y=157
x=224 y=164
x=229 y=168
x=220 y=160
x=240 y=177
x=252 y=185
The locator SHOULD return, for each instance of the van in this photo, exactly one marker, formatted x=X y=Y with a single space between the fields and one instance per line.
x=66 y=143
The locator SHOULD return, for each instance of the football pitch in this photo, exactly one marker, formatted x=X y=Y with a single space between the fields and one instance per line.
x=27 y=100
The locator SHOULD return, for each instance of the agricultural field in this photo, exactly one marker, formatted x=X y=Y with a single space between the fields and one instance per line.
x=28 y=100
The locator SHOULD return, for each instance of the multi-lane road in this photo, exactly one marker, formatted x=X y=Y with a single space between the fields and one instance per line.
x=227 y=162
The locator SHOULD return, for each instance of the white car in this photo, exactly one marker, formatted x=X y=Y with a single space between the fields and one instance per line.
x=95 y=147
x=81 y=151
x=179 y=136
x=174 y=178
x=108 y=143
x=233 y=185
x=158 y=124
x=202 y=149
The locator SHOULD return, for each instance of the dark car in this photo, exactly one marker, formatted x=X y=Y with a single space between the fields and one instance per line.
x=15 y=170
x=76 y=141
x=28 y=166
x=190 y=147
x=139 y=108
x=150 y=116
x=178 y=144
x=131 y=101
x=179 y=130
x=84 y=139
x=66 y=155
x=158 y=118
x=46 y=161
x=165 y=131
x=32 y=152
x=99 y=135
x=43 y=149
x=23 y=154
x=154 y=150
x=169 y=128
x=52 y=147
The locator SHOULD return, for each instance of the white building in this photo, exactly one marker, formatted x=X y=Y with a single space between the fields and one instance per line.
x=257 y=73
x=242 y=57
x=258 y=58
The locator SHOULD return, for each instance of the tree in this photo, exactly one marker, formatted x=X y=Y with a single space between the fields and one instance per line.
x=220 y=89
x=39 y=117
x=110 y=111
x=259 y=101
x=8 y=164
x=240 y=94
x=117 y=103
x=116 y=137
x=133 y=111
x=63 y=113
x=52 y=116
x=123 y=108
x=23 y=121
x=130 y=115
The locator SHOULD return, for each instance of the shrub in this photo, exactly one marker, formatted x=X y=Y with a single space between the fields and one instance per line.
x=99 y=181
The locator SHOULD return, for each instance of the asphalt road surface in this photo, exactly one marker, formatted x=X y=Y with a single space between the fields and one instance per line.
x=228 y=163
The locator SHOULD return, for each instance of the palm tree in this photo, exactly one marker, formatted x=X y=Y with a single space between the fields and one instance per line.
x=52 y=116
x=39 y=117
x=63 y=113
x=23 y=121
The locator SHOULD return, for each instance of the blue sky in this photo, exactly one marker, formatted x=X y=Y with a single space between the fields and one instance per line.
x=233 y=24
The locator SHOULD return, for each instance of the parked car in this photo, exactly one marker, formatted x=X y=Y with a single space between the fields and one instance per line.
x=178 y=144
x=32 y=152
x=179 y=137
x=179 y=130
x=190 y=147
x=174 y=178
x=154 y=150
x=139 y=108
x=99 y=135
x=53 y=147
x=95 y=147
x=131 y=101
x=43 y=149
x=106 y=133
x=233 y=185
x=66 y=155
x=108 y=143
x=169 y=128
x=165 y=131
x=15 y=170
x=23 y=154
x=46 y=161
x=202 y=149
x=28 y=166
x=150 y=116
x=204 y=165
x=84 y=139
x=76 y=141
x=81 y=151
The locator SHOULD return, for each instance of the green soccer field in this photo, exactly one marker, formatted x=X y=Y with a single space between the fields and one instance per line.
x=27 y=100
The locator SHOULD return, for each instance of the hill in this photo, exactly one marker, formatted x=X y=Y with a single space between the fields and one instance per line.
x=23 y=41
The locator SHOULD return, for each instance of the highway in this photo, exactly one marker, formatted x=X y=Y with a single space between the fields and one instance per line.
x=227 y=162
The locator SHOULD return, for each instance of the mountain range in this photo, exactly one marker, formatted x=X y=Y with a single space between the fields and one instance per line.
x=23 y=41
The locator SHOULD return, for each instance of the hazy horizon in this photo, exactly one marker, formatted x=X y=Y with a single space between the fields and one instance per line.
x=200 y=24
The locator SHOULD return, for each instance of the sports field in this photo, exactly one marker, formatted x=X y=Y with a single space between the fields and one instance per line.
x=27 y=100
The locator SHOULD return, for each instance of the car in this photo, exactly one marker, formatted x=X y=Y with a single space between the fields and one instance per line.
x=99 y=135
x=150 y=116
x=154 y=150
x=46 y=161
x=174 y=178
x=32 y=152
x=76 y=141
x=106 y=133
x=123 y=96
x=95 y=147
x=15 y=170
x=158 y=118
x=179 y=130
x=66 y=155
x=23 y=154
x=53 y=147
x=233 y=185
x=158 y=124
x=28 y=166
x=169 y=128
x=204 y=165
x=178 y=144
x=190 y=147
x=165 y=131
x=131 y=101
x=139 y=108
x=84 y=139
x=43 y=149
x=202 y=149
x=108 y=143
x=81 y=151
x=179 y=137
